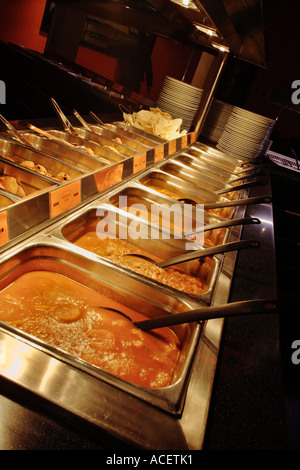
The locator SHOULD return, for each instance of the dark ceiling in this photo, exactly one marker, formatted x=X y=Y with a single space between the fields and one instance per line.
x=240 y=23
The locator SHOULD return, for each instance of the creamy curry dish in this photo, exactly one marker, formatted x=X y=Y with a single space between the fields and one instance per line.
x=72 y=318
x=117 y=250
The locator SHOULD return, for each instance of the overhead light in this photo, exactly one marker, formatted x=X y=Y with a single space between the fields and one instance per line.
x=205 y=29
x=220 y=47
x=185 y=4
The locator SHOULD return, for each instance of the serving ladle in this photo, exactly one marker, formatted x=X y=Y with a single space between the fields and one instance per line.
x=225 y=248
x=236 y=202
x=241 y=186
x=246 y=307
x=223 y=224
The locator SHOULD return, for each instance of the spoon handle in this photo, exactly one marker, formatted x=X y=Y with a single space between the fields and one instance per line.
x=242 y=186
x=232 y=246
x=208 y=313
x=239 y=202
x=224 y=223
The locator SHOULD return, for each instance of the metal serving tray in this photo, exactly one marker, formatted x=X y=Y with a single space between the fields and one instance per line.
x=65 y=153
x=20 y=153
x=177 y=188
x=215 y=157
x=89 y=220
x=122 y=130
x=139 y=133
x=30 y=181
x=98 y=150
x=195 y=174
x=63 y=258
x=137 y=195
x=206 y=168
x=7 y=199
x=191 y=175
x=96 y=134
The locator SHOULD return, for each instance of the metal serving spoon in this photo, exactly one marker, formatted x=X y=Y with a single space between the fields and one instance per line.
x=199 y=253
x=241 y=186
x=224 y=223
x=232 y=246
x=246 y=307
x=236 y=202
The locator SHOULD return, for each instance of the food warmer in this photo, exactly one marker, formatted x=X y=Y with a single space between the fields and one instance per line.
x=39 y=232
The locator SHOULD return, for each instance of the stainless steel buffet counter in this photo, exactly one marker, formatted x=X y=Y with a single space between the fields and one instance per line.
x=42 y=231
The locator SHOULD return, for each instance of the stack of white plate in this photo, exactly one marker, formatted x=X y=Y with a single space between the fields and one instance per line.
x=245 y=134
x=216 y=120
x=179 y=99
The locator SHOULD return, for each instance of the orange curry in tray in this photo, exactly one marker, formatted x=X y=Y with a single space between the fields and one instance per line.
x=68 y=316
x=117 y=250
x=224 y=212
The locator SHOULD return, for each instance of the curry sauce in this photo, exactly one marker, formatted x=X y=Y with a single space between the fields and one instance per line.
x=68 y=316
x=117 y=250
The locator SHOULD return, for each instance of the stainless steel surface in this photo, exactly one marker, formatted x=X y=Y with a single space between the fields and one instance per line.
x=82 y=121
x=138 y=132
x=215 y=250
x=64 y=120
x=13 y=131
x=54 y=165
x=7 y=199
x=133 y=133
x=128 y=148
x=30 y=181
x=173 y=417
x=164 y=245
x=101 y=150
x=73 y=156
x=51 y=255
x=246 y=307
x=101 y=399
x=95 y=133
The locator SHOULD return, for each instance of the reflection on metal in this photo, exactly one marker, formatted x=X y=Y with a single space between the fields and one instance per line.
x=185 y=4
x=202 y=113
x=239 y=24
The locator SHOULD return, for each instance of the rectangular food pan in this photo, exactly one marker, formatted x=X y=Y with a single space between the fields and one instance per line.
x=125 y=131
x=139 y=132
x=107 y=233
x=175 y=187
x=59 y=318
x=191 y=175
x=28 y=182
x=129 y=146
x=38 y=161
x=216 y=158
x=109 y=150
x=67 y=154
x=6 y=199
x=200 y=165
x=152 y=207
